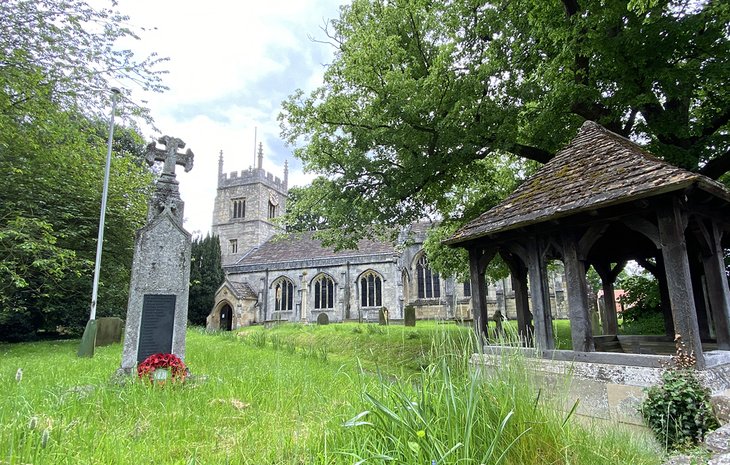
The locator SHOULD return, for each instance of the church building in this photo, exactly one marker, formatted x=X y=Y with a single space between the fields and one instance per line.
x=276 y=276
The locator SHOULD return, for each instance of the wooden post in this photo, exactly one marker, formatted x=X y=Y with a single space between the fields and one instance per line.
x=544 y=339
x=717 y=288
x=608 y=276
x=478 y=260
x=679 y=281
x=518 y=274
x=581 y=332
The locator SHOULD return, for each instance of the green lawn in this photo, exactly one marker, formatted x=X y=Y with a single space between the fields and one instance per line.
x=285 y=396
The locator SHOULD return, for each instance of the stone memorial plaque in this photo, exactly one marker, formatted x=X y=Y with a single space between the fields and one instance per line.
x=155 y=332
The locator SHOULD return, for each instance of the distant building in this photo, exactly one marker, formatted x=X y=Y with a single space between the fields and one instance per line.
x=271 y=276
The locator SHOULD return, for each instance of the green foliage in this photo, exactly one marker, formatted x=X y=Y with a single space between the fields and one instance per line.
x=206 y=276
x=438 y=108
x=57 y=60
x=49 y=212
x=642 y=299
x=678 y=411
x=67 y=52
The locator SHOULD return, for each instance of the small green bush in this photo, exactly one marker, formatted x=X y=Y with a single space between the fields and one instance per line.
x=678 y=411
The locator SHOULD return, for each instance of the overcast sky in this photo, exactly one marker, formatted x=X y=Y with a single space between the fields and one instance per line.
x=231 y=65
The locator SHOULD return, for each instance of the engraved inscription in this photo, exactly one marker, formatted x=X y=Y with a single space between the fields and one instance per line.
x=155 y=332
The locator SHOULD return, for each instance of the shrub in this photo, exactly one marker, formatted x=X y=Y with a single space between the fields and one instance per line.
x=678 y=411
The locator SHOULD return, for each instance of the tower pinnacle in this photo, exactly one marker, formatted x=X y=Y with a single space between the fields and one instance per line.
x=261 y=155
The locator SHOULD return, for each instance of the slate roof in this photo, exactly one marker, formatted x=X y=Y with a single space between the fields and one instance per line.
x=596 y=169
x=242 y=290
x=296 y=247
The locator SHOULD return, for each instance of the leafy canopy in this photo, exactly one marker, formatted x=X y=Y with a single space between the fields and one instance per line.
x=57 y=61
x=436 y=108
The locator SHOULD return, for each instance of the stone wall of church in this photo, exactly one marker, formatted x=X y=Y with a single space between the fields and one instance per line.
x=347 y=286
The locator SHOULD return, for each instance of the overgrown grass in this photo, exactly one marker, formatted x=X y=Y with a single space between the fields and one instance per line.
x=283 y=396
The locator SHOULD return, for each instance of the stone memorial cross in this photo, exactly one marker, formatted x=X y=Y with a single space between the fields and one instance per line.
x=169 y=155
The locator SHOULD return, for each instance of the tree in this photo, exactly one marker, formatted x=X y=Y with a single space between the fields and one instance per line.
x=65 y=52
x=57 y=60
x=422 y=95
x=206 y=276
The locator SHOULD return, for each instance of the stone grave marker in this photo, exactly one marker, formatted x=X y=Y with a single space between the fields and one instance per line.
x=323 y=319
x=157 y=311
x=409 y=315
x=109 y=331
x=383 y=316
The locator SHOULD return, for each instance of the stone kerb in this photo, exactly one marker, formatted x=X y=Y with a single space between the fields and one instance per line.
x=603 y=387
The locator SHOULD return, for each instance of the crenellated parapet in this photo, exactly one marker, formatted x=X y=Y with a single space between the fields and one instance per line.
x=252 y=176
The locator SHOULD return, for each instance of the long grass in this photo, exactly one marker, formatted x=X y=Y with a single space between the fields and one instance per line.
x=292 y=395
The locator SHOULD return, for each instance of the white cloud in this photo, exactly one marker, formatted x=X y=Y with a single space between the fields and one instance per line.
x=231 y=64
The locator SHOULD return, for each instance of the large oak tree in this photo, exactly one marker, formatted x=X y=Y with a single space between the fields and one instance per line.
x=441 y=106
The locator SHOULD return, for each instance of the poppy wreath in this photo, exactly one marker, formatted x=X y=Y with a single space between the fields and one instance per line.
x=171 y=362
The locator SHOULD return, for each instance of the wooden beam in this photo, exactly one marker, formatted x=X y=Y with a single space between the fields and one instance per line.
x=581 y=332
x=478 y=260
x=679 y=281
x=644 y=227
x=518 y=274
x=717 y=288
x=608 y=278
x=539 y=293
x=586 y=242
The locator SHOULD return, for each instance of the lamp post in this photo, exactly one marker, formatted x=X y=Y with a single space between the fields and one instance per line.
x=88 y=340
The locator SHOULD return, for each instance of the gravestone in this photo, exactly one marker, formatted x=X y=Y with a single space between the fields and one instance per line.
x=323 y=319
x=409 y=315
x=157 y=311
x=383 y=316
x=108 y=331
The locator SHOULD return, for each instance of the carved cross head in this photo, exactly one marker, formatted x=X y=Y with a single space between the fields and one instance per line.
x=169 y=155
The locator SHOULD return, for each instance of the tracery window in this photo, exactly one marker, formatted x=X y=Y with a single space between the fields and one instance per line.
x=429 y=285
x=239 y=208
x=272 y=210
x=324 y=292
x=371 y=290
x=283 y=295
x=234 y=245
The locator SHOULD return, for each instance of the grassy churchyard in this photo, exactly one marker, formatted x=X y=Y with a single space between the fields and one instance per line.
x=293 y=394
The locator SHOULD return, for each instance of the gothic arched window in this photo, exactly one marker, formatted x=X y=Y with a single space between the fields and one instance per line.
x=429 y=285
x=324 y=292
x=371 y=290
x=283 y=295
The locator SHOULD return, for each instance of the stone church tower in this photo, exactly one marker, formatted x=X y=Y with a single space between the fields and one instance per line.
x=246 y=205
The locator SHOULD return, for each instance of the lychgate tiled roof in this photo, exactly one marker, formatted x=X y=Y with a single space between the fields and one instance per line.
x=598 y=168
x=303 y=246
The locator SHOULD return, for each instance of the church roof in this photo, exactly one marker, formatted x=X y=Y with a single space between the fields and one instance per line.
x=598 y=168
x=302 y=247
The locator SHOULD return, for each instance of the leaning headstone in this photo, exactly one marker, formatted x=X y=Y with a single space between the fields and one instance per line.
x=409 y=315
x=383 y=316
x=109 y=330
x=157 y=311
x=323 y=319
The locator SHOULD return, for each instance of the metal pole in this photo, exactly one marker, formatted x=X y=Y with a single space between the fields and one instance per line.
x=100 y=240
x=88 y=340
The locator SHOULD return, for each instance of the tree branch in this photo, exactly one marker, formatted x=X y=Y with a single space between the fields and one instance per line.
x=717 y=166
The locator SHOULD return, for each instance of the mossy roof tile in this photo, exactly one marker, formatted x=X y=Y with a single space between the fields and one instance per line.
x=596 y=169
